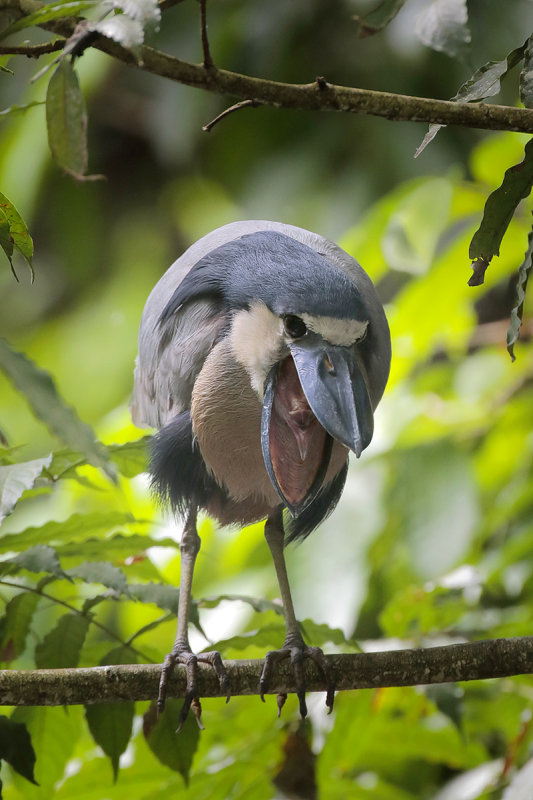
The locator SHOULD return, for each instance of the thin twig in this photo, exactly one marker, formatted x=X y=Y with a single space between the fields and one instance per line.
x=493 y=658
x=230 y=110
x=208 y=61
x=32 y=50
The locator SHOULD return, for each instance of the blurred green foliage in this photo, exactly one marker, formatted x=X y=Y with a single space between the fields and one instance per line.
x=433 y=539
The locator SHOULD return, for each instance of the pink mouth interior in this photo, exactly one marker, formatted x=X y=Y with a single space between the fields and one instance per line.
x=296 y=438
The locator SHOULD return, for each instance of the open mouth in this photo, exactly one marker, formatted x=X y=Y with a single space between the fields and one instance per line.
x=296 y=447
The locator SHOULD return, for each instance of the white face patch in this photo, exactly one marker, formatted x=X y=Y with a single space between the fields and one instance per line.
x=257 y=341
x=343 y=332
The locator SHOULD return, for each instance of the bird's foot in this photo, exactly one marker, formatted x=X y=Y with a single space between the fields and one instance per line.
x=183 y=655
x=297 y=651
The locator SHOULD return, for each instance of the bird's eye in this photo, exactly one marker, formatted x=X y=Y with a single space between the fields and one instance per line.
x=294 y=326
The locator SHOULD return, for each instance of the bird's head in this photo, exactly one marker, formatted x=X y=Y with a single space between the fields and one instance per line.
x=314 y=341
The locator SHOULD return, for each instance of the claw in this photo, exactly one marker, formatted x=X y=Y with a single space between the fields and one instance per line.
x=297 y=653
x=280 y=699
x=181 y=655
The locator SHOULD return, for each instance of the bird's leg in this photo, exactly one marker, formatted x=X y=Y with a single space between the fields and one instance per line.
x=294 y=646
x=181 y=652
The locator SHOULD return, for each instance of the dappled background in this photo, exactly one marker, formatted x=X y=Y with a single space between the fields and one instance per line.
x=432 y=540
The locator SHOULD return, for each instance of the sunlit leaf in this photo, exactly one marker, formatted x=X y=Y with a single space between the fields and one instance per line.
x=61 y=647
x=15 y=479
x=518 y=309
x=380 y=16
x=16 y=747
x=497 y=214
x=526 y=75
x=47 y=14
x=41 y=393
x=66 y=120
x=74 y=528
x=145 y=11
x=173 y=750
x=163 y=596
x=442 y=25
x=257 y=603
x=19 y=236
x=54 y=733
x=126 y=31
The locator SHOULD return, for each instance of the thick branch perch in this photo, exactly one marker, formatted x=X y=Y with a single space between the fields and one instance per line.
x=494 y=658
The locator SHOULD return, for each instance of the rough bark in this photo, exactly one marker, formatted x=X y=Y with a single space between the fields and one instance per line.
x=493 y=658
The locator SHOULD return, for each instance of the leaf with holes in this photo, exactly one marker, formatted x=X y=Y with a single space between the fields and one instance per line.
x=66 y=121
x=442 y=25
x=15 y=479
x=497 y=214
x=378 y=18
x=16 y=747
x=41 y=393
x=61 y=647
x=516 y=314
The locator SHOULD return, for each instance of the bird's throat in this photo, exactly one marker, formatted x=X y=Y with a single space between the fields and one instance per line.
x=298 y=443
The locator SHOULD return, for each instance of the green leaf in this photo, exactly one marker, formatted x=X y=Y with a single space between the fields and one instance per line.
x=40 y=558
x=19 y=236
x=131 y=458
x=47 y=14
x=118 y=546
x=46 y=403
x=258 y=604
x=6 y=242
x=526 y=75
x=378 y=18
x=15 y=479
x=267 y=637
x=16 y=622
x=101 y=572
x=20 y=109
x=162 y=595
x=16 y=747
x=497 y=214
x=54 y=733
x=174 y=750
x=61 y=647
x=73 y=529
x=485 y=82
x=442 y=25
x=66 y=121
x=111 y=723
x=518 y=309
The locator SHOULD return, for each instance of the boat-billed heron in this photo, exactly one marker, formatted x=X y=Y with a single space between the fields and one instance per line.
x=263 y=352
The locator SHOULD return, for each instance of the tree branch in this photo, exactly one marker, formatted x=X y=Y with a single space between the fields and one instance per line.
x=32 y=50
x=493 y=658
x=323 y=96
x=317 y=96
